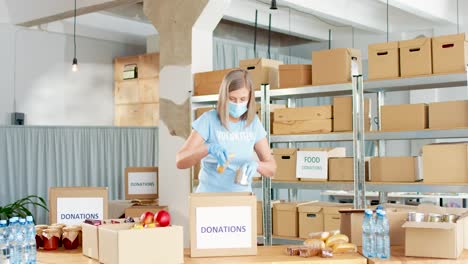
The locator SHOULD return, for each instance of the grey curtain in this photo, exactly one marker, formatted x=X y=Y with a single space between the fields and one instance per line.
x=32 y=159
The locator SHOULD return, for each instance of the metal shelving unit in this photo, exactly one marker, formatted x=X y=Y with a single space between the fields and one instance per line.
x=213 y=98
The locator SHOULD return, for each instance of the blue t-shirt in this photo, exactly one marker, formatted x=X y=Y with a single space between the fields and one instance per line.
x=239 y=142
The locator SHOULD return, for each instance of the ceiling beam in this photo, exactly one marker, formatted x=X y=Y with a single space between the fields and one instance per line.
x=367 y=15
x=285 y=21
x=440 y=11
x=30 y=13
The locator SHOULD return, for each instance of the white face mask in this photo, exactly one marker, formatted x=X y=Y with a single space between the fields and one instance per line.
x=237 y=110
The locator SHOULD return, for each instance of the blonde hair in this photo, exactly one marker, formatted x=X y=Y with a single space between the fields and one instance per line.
x=235 y=80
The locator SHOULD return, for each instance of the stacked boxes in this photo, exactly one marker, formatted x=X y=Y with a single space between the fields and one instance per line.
x=262 y=71
x=343 y=114
x=394 y=169
x=384 y=61
x=404 y=117
x=303 y=120
x=319 y=216
x=450 y=53
x=295 y=75
x=443 y=115
x=445 y=163
x=334 y=66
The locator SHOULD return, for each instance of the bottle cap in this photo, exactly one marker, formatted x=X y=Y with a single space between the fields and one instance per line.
x=3 y=222
x=381 y=212
x=29 y=218
x=13 y=219
x=368 y=212
x=22 y=220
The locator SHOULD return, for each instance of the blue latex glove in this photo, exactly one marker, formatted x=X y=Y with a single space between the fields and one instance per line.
x=250 y=168
x=218 y=152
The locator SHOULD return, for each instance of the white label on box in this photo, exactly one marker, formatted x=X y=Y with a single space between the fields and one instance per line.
x=224 y=227
x=312 y=165
x=75 y=210
x=142 y=183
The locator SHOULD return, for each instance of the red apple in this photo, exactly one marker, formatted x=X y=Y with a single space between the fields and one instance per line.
x=163 y=218
x=146 y=218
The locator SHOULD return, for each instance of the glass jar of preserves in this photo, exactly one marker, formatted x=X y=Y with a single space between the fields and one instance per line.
x=60 y=228
x=39 y=240
x=51 y=238
x=70 y=237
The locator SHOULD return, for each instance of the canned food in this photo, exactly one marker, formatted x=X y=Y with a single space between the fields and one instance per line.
x=241 y=177
x=434 y=218
x=449 y=218
x=415 y=217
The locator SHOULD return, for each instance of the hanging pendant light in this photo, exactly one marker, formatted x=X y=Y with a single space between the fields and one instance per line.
x=273 y=5
x=75 y=60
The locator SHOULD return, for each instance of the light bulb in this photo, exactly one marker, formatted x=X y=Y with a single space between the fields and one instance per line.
x=75 y=65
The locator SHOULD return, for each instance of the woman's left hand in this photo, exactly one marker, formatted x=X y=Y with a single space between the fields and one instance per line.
x=250 y=168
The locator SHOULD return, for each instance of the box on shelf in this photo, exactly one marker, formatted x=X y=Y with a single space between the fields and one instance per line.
x=343 y=114
x=384 y=61
x=303 y=113
x=286 y=164
x=394 y=169
x=442 y=114
x=334 y=66
x=415 y=57
x=259 y=217
x=312 y=163
x=141 y=183
x=318 y=217
x=450 y=53
x=285 y=220
x=295 y=75
x=302 y=126
x=90 y=237
x=120 y=244
x=73 y=205
x=436 y=240
x=262 y=71
x=137 y=114
x=404 y=117
x=223 y=224
x=445 y=163
x=351 y=223
x=137 y=210
x=206 y=83
x=342 y=169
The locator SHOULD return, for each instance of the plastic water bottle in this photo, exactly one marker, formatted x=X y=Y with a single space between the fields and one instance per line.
x=368 y=236
x=383 y=235
x=12 y=229
x=20 y=241
x=4 y=248
x=31 y=250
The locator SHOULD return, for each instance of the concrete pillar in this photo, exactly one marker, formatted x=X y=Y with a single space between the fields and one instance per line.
x=185 y=43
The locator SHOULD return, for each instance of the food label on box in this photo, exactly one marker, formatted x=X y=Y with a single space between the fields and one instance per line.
x=142 y=183
x=75 y=210
x=224 y=227
x=312 y=165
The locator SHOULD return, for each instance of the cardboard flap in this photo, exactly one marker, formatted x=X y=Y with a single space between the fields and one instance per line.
x=284 y=151
x=414 y=44
x=285 y=206
x=449 y=39
x=250 y=64
x=429 y=225
x=382 y=47
x=309 y=208
x=332 y=152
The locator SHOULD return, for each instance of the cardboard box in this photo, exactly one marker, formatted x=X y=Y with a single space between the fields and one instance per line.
x=334 y=66
x=141 y=183
x=351 y=223
x=303 y=113
x=445 y=163
x=415 y=57
x=394 y=169
x=440 y=240
x=262 y=71
x=136 y=211
x=343 y=114
x=319 y=216
x=441 y=114
x=342 y=169
x=259 y=217
x=295 y=75
x=223 y=224
x=205 y=83
x=285 y=219
x=116 y=208
x=404 y=117
x=450 y=53
x=90 y=235
x=312 y=163
x=120 y=244
x=384 y=61
x=302 y=127
x=73 y=205
x=285 y=164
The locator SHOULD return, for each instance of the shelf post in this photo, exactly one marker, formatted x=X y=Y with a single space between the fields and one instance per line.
x=358 y=137
x=266 y=182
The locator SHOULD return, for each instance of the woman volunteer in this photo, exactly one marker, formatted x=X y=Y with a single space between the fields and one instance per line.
x=228 y=136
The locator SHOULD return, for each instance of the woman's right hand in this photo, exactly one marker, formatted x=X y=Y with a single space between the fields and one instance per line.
x=218 y=152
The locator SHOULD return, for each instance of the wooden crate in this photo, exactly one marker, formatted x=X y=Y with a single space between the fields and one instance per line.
x=137 y=91
x=137 y=115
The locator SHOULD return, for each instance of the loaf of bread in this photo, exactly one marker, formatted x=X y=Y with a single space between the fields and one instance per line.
x=344 y=248
x=314 y=243
x=336 y=239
